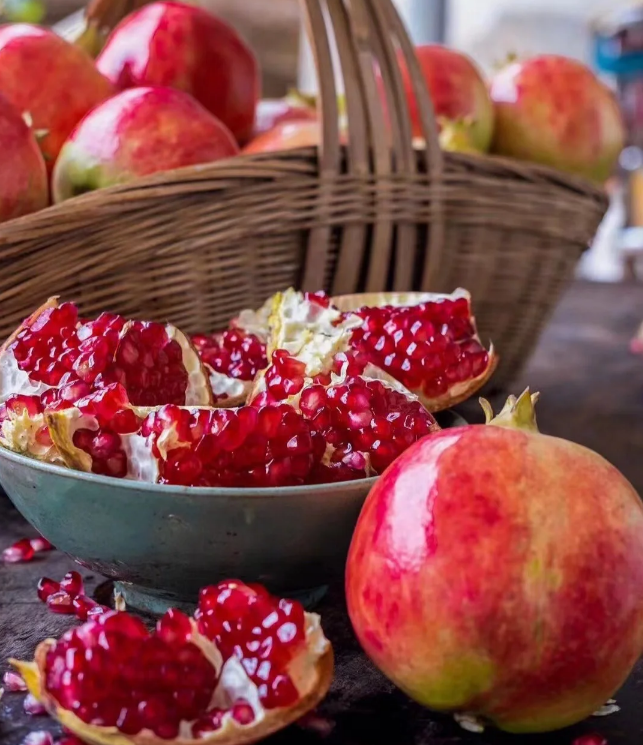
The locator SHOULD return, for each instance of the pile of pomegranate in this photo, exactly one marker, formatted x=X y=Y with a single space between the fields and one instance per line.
x=298 y=392
x=71 y=123
x=245 y=665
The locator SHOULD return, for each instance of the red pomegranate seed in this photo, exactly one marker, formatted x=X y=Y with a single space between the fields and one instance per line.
x=174 y=627
x=233 y=353
x=46 y=588
x=21 y=551
x=39 y=738
x=82 y=606
x=96 y=610
x=72 y=584
x=33 y=707
x=242 y=713
x=40 y=545
x=211 y=722
x=593 y=739
x=60 y=602
x=13 y=682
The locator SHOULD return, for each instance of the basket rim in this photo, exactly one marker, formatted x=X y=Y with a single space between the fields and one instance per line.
x=273 y=166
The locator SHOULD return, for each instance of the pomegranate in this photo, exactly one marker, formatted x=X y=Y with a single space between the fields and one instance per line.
x=498 y=571
x=275 y=111
x=233 y=359
x=61 y=359
x=286 y=135
x=458 y=91
x=554 y=110
x=427 y=342
x=137 y=133
x=24 y=186
x=184 y=46
x=247 y=665
x=51 y=79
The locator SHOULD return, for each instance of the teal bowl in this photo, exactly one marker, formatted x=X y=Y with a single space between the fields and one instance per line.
x=163 y=543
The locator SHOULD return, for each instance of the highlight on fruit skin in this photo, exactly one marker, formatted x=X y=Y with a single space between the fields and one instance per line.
x=496 y=572
x=207 y=678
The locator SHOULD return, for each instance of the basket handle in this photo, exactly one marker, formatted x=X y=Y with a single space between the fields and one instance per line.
x=366 y=34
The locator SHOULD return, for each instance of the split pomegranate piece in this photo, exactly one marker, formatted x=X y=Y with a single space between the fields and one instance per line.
x=189 y=679
x=24 y=430
x=427 y=342
x=274 y=446
x=58 y=357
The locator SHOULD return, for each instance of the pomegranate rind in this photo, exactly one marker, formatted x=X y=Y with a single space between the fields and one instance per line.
x=460 y=391
x=311 y=672
x=13 y=380
x=142 y=465
x=18 y=433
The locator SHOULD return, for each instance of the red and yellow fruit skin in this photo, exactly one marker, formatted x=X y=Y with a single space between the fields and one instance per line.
x=274 y=111
x=136 y=133
x=500 y=572
x=555 y=111
x=182 y=46
x=458 y=92
x=51 y=79
x=24 y=186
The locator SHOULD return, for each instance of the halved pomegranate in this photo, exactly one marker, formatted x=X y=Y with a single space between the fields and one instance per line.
x=427 y=342
x=248 y=665
x=24 y=430
x=55 y=355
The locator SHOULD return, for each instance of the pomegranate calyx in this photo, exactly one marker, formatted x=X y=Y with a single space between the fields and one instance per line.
x=456 y=135
x=517 y=413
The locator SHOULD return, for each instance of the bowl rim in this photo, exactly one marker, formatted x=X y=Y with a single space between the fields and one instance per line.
x=199 y=491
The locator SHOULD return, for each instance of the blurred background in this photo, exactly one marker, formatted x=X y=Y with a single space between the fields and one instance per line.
x=606 y=34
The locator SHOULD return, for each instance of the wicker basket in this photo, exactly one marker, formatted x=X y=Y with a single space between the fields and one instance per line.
x=198 y=244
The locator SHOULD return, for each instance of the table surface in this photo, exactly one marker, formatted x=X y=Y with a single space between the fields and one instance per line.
x=592 y=392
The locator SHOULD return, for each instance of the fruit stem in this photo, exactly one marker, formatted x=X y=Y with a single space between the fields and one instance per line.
x=518 y=413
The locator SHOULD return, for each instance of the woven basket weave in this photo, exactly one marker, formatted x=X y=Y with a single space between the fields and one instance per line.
x=198 y=244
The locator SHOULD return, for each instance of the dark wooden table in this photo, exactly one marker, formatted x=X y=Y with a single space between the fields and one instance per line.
x=592 y=392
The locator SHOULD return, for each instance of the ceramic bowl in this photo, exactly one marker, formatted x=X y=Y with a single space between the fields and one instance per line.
x=163 y=543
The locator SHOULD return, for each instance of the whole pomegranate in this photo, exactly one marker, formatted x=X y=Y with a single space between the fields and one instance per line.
x=53 y=81
x=136 y=133
x=286 y=135
x=554 y=110
x=182 y=46
x=274 y=111
x=497 y=571
x=23 y=175
x=458 y=91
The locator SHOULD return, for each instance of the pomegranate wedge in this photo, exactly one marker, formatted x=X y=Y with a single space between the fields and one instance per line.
x=244 y=667
x=56 y=356
x=426 y=341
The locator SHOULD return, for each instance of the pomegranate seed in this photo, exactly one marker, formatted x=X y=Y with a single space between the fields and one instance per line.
x=46 y=588
x=60 y=602
x=41 y=544
x=211 y=722
x=593 y=739
x=82 y=606
x=174 y=627
x=96 y=610
x=233 y=353
x=39 y=738
x=13 y=682
x=242 y=713
x=21 y=551
x=72 y=584
x=33 y=707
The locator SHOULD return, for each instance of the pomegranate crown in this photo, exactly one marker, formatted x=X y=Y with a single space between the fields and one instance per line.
x=517 y=413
